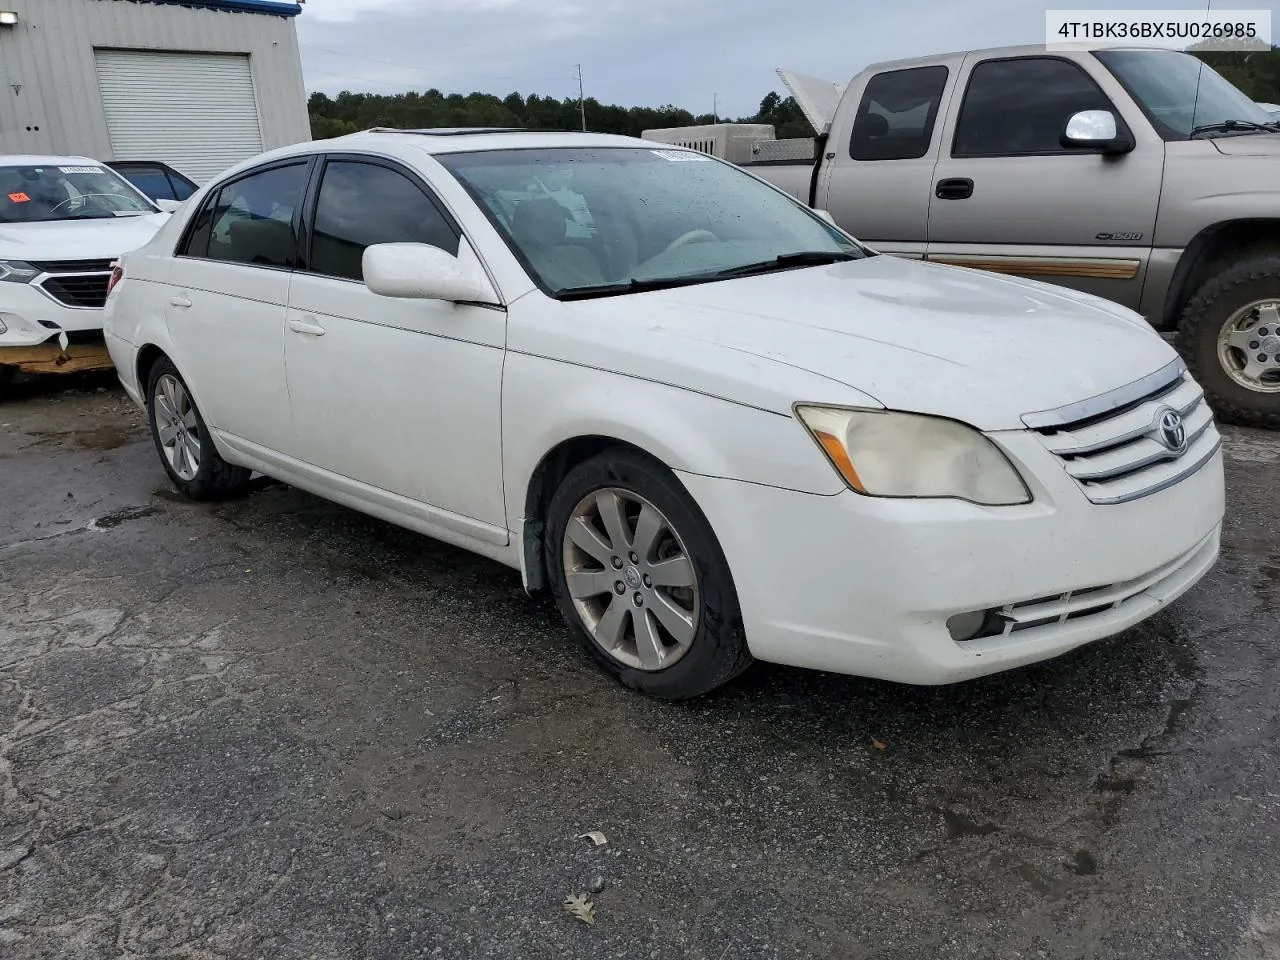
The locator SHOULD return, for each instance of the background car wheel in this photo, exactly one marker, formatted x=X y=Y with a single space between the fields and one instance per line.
x=639 y=575
x=1230 y=336
x=183 y=441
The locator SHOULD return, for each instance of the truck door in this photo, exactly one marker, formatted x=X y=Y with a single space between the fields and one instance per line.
x=1008 y=197
x=880 y=157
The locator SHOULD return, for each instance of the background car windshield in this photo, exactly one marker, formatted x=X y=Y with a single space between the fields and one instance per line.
x=1179 y=92
x=32 y=194
x=585 y=217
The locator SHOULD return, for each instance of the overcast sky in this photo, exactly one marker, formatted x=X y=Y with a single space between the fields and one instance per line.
x=648 y=52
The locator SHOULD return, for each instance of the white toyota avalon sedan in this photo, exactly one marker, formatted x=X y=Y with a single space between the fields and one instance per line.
x=714 y=426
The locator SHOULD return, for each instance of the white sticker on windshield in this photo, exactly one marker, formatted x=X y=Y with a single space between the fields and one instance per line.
x=79 y=169
x=677 y=155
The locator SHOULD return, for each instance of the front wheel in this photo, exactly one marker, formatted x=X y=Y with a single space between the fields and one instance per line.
x=639 y=575
x=1230 y=336
x=183 y=442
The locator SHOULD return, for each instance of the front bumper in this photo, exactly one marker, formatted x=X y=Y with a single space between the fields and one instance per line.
x=865 y=586
x=31 y=316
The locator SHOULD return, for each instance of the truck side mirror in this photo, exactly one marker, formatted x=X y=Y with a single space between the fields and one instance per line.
x=1097 y=131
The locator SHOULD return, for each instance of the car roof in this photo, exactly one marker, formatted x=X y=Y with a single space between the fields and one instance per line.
x=990 y=53
x=468 y=139
x=34 y=160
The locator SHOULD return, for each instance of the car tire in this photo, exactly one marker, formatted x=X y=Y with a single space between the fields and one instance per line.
x=186 y=450
x=679 y=577
x=1224 y=301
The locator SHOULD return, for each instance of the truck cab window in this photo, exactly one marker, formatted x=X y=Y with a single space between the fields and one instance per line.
x=896 y=116
x=1020 y=107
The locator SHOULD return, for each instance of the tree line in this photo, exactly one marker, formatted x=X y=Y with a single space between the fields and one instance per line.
x=1257 y=73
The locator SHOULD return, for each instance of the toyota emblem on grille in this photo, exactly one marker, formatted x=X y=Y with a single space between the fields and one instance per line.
x=1170 y=430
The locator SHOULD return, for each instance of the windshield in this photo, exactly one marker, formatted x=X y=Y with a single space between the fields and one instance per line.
x=582 y=218
x=1178 y=92
x=38 y=194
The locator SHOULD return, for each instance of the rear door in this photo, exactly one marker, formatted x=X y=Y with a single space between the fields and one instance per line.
x=1008 y=197
x=880 y=158
x=228 y=292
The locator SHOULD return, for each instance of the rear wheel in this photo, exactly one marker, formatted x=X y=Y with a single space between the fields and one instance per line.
x=183 y=442
x=639 y=575
x=1230 y=335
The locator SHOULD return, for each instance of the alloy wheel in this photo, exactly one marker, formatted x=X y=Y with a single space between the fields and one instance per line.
x=177 y=427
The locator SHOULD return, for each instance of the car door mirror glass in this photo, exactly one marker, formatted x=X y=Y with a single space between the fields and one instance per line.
x=1096 y=130
x=421 y=271
x=1088 y=127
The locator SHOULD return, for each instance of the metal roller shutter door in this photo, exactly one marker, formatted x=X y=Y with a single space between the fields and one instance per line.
x=195 y=111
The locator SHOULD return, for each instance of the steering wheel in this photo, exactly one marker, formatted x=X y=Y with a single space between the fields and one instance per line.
x=82 y=198
x=693 y=236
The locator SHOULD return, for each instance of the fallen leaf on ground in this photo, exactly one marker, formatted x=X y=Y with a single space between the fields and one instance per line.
x=580 y=907
x=878 y=744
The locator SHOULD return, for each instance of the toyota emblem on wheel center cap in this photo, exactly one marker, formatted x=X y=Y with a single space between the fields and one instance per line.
x=1170 y=431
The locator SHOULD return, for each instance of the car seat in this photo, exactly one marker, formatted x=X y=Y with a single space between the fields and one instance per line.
x=540 y=229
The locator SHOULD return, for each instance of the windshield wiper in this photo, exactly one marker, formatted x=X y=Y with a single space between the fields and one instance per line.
x=1226 y=126
x=802 y=258
x=630 y=286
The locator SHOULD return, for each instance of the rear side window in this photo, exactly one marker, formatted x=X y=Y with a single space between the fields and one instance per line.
x=1020 y=107
x=897 y=114
x=361 y=204
x=251 y=220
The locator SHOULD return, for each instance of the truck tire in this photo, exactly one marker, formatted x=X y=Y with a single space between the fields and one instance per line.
x=1230 y=337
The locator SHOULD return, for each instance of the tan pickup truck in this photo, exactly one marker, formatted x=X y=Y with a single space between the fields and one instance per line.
x=1139 y=175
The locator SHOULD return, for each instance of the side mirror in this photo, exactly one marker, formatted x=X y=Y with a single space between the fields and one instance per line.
x=826 y=215
x=1096 y=130
x=419 y=271
x=167 y=205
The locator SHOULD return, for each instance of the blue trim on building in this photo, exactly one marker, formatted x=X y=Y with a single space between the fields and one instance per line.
x=277 y=8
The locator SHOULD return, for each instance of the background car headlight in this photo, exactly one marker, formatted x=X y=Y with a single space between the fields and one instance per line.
x=887 y=454
x=15 y=271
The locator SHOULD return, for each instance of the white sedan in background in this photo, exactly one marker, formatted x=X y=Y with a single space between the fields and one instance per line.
x=712 y=424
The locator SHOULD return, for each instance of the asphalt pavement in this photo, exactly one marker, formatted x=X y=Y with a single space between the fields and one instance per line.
x=276 y=729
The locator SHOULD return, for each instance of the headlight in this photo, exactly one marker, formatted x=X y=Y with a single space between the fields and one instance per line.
x=15 y=271
x=887 y=454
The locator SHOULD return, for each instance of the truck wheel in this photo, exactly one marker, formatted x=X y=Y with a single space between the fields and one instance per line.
x=640 y=577
x=1230 y=336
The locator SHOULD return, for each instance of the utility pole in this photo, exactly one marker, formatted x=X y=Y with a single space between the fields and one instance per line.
x=715 y=108
x=582 y=105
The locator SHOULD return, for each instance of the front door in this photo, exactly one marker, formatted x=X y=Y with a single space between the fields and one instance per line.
x=1008 y=197
x=227 y=297
x=400 y=395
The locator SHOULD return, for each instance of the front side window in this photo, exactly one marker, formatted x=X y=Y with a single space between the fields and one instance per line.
x=626 y=218
x=1180 y=93
x=1021 y=107
x=896 y=116
x=361 y=204
x=44 y=193
x=251 y=219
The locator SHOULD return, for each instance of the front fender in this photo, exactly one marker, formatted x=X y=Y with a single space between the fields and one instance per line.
x=547 y=402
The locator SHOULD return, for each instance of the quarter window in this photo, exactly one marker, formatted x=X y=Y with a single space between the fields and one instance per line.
x=896 y=116
x=1020 y=107
x=251 y=220
x=361 y=204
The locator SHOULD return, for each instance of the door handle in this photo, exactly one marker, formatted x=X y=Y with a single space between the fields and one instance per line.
x=954 y=188
x=307 y=325
x=181 y=300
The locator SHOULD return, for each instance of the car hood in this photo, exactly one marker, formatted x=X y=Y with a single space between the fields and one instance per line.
x=928 y=338
x=1249 y=145
x=77 y=239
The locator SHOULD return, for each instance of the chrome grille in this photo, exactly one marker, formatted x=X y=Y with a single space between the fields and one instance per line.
x=1115 y=451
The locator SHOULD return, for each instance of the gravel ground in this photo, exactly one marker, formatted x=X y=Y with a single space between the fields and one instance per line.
x=275 y=728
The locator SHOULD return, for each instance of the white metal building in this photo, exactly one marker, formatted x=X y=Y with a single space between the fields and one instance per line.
x=197 y=85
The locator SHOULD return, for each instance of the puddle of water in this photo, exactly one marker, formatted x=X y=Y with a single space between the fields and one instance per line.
x=117 y=517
